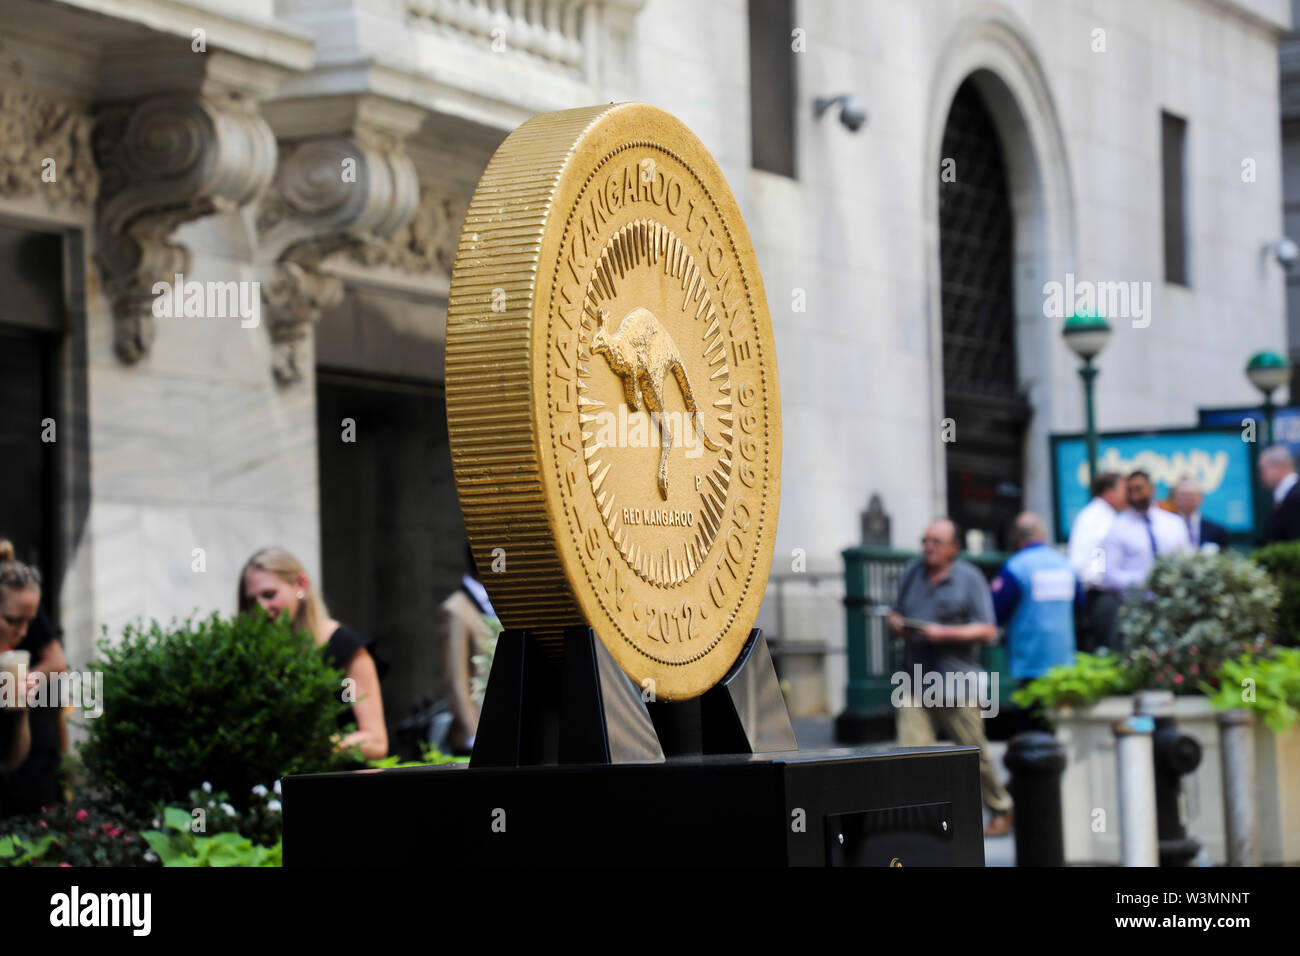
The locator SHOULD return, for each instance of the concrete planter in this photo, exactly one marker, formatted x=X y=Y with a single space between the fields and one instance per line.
x=1089 y=791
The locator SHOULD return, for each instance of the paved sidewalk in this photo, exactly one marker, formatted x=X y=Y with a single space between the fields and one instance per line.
x=817 y=733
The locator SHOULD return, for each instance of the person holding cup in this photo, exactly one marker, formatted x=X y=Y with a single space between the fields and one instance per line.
x=20 y=597
x=37 y=783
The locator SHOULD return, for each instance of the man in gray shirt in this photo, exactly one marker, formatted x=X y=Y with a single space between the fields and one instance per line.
x=949 y=615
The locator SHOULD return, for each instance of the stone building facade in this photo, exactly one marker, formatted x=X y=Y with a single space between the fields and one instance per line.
x=326 y=151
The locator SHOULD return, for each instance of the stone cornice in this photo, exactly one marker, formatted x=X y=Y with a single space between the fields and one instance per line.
x=270 y=41
x=445 y=99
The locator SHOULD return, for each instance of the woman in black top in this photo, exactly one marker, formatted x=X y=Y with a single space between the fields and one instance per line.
x=20 y=598
x=36 y=783
x=276 y=580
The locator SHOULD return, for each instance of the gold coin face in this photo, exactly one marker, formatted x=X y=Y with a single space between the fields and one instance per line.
x=612 y=394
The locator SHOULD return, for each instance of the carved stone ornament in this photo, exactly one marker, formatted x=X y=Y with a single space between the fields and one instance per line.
x=427 y=244
x=165 y=161
x=45 y=149
x=331 y=194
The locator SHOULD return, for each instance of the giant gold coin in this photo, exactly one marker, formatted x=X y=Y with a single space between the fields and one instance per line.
x=612 y=396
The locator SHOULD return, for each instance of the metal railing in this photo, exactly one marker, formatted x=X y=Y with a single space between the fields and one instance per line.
x=780 y=636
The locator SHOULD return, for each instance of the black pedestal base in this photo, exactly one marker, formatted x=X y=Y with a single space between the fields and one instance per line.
x=855 y=727
x=870 y=807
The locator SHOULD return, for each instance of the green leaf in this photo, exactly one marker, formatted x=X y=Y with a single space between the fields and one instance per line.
x=174 y=818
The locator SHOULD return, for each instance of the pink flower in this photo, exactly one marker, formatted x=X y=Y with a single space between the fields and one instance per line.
x=44 y=825
x=1194 y=650
x=69 y=865
x=1178 y=678
x=82 y=814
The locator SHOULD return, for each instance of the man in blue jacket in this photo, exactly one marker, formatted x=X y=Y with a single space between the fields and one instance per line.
x=1035 y=595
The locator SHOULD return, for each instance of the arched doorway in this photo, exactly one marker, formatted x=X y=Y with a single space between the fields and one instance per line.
x=989 y=50
x=986 y=408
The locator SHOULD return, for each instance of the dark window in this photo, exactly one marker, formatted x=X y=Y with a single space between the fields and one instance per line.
x=29 y=478
x=31 y=335
x=1173 y=158
x=771 y=86
x=391 y=534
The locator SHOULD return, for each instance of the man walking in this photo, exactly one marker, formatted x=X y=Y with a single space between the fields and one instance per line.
x=1277 y=471
x=950 y=614
x=1137 y=537
x=1034 y=596
x=1087 y=556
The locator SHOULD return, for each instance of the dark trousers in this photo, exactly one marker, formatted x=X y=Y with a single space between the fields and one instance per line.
x=1097 y=624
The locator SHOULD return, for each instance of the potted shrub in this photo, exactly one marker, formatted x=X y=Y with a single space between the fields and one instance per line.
x=1197 y=611
x=1197 y=614
x=235 y=702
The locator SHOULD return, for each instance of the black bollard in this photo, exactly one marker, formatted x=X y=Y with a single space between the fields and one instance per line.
x=1036 y=762
x=1176 y=755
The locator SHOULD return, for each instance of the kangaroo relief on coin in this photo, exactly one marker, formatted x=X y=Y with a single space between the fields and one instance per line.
x=642 y=353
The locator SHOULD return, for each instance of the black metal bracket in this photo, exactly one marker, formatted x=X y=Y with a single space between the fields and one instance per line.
x=584 y=709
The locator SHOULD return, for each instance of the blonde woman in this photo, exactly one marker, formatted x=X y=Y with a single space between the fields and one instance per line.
x=275 y=579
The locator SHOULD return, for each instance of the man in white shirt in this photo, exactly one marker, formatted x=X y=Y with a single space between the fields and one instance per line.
x=1092 y=524
x=1137 y=536
x=1087 y=557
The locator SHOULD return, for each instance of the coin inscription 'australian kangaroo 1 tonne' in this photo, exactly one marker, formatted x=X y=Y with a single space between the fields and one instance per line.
x=612 y=395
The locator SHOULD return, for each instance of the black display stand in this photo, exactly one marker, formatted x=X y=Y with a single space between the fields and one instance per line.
x=576 y=765
x=601 y=717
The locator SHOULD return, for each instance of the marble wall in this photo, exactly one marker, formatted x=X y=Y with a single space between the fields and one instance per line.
x=194 y=447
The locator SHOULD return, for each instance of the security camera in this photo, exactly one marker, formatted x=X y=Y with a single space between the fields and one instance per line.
x=853 y=114
x=1286 y=252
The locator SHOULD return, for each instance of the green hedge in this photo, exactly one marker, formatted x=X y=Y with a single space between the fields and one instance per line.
x=234 y=703
x=1282 y=562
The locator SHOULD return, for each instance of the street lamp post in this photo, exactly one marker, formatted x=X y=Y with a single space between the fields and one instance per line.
x=1267 y=371
x=1086 y=335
